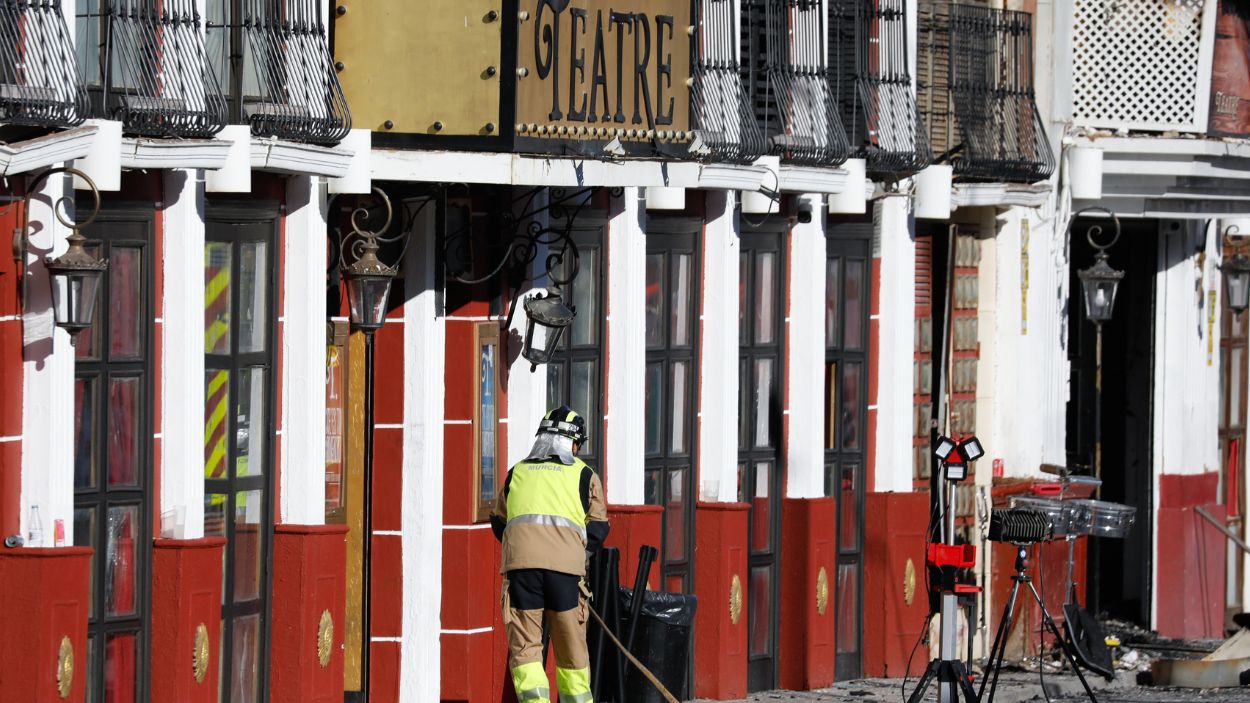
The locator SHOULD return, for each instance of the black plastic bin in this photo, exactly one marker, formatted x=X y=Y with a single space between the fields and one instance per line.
x=662 y=642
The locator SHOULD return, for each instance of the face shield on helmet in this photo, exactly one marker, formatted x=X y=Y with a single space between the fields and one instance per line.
x=559 y=430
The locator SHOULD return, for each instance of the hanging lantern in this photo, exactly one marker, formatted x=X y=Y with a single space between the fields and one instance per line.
x=548 y=318
x=1237 y=282
x=76 y=277
x=1100 y=283
x=368 y=288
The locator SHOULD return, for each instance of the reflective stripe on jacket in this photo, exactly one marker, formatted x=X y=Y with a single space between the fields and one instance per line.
x=545 y=517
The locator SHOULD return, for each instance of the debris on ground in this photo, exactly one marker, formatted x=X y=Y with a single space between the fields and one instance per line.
x=1225 y=667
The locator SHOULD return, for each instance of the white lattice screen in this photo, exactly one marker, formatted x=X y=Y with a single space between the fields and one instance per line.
x=1136 y=63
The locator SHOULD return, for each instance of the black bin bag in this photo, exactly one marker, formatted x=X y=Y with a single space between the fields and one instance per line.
x=662 y=642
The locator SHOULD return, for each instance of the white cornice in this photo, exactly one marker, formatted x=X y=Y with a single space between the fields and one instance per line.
x=50 y=149
x=280 y=156
x=1000 y=195
x=174 y=153
x=806 y=179
x=731 y=176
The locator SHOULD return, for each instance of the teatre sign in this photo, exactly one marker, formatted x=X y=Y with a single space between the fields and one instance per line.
x=592 y=70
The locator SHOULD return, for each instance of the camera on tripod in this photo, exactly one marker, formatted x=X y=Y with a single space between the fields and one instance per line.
x=1020 y=526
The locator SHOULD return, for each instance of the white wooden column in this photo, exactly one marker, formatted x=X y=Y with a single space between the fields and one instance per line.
x=48 y=381
x=527 y=390
x=895 y=343
x=627 y=353
x=182 y=356
x=805 y=354
x=718 y=351
x=303 y=353
x=422 y=523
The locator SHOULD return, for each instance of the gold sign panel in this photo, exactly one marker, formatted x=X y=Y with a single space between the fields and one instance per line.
x=325 y=638
x=199 y=656
x=594 y=70
x=735 y=599
x=65 y=668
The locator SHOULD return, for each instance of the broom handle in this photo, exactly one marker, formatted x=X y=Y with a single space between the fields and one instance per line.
x=645 y=671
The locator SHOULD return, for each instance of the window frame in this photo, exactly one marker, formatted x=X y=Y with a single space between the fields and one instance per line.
x=671 y=236
x=100 y=368
x=244 y=213
x=487 y=334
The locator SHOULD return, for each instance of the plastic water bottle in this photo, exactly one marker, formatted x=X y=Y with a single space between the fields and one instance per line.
x=34 y=533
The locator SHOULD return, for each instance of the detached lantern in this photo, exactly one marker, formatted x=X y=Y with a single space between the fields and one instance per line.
x=76 y=277
x=368 y=288
x=1099 y=283
x=1237 y=282
x=548 y=317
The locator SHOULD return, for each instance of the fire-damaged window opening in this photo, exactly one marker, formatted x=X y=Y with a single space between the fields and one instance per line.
x=975 y=90
x=783 y=67
x=868 y=67
x=145 y=64
x=273 y=58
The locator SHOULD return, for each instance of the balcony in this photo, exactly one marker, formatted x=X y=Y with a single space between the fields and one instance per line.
x=786 y=83
x=275 y=64
x=721 y=115
x=39 y=81
x=146 y=66
x=868 y=68
x=975 y=91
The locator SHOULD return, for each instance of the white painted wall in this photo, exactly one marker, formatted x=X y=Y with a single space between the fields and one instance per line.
x=895 y=246
x=48 y=381
x=303 y=353
x=422 y=524
x=627 y=354
x=718 y=350
x=527 y=391
x=182 y=359
x=805 y=352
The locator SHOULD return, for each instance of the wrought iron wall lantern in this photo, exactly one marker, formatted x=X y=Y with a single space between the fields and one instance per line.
x=368 y=278
x=1236 y=273
x=76 y=275
x=529 y=227
x=1100 y=282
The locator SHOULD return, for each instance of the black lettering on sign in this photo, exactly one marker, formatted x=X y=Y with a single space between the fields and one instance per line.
x=599 y=74
x=663 y=69
x=620 y=20
x=642 y=57
x=577 y=65
x=549 y=63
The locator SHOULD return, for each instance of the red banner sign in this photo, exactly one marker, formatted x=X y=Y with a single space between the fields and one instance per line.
x=1230 y=72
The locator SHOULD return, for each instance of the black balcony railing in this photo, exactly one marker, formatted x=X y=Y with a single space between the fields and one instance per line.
x=151 y=70
x=869 y=69
x=299 y=96
x=39 y=81
x=721 y=114
x=786 y=82
x=975 y=88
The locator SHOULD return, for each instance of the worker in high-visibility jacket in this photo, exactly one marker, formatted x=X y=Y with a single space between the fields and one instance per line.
x=550 y=515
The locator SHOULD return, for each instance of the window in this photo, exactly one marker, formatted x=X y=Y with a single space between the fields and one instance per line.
x=487 y=449
x=575 y=373
x=113 y=456
x=239 y=272
x=670 y=387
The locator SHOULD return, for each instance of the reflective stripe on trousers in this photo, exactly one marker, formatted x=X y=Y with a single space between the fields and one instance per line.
x=530 y=682
x=550 y=521
x=574 y=685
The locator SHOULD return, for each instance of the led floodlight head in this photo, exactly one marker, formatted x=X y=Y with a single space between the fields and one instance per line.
x=970 y=449
x=945 y=445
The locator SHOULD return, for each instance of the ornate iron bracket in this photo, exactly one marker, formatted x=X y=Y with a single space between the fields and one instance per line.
x=351 y=246
x=63 y=203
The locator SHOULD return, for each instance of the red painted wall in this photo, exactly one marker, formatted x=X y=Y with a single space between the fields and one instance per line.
x=895 y=525
x=806 y=656
x=1190 y=559
x=309 y=580
x=720 y=644
x=10 y=377
x=45 y=593
x=632 y=527
x=186 y=592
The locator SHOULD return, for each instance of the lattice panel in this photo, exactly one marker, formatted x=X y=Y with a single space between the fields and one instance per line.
x=1135 y=63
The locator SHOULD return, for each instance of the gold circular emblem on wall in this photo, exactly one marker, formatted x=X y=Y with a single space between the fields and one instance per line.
x=199 y=653
x=909 y=582
x=65 y=668
x=325 y=638
x=822 y=591
x=735 y=600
